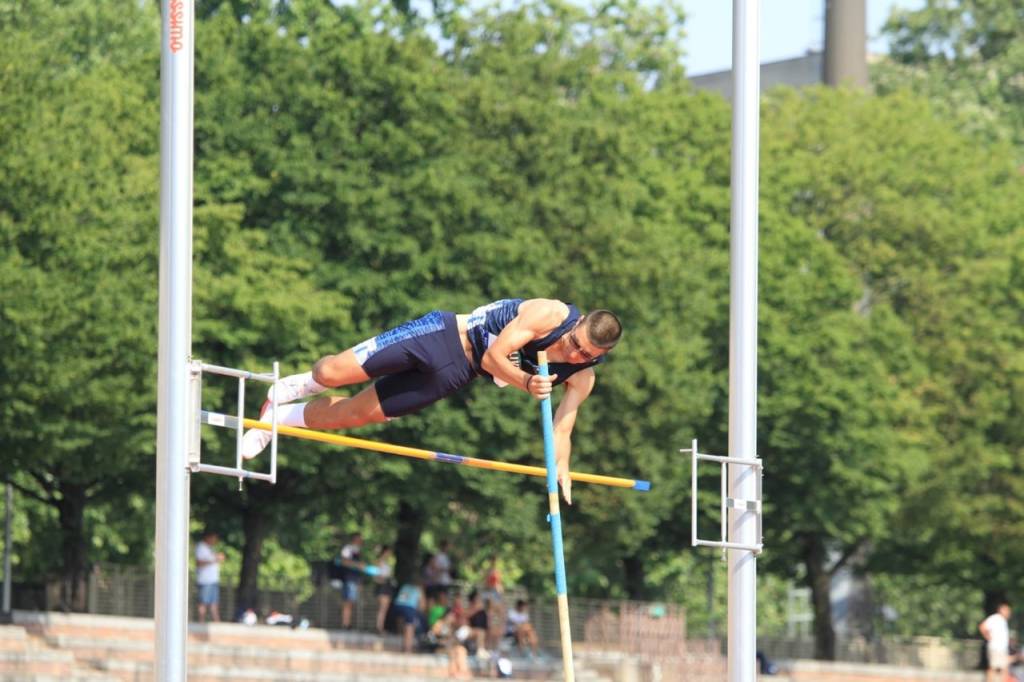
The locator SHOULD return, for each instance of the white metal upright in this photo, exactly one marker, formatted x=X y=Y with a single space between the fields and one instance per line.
x=175 y=345
x=742 y=629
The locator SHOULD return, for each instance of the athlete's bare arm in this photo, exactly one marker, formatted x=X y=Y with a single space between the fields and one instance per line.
x=577 y=389
x=536 y=319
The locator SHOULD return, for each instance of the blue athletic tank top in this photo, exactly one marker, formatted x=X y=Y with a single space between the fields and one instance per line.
x=487 y=321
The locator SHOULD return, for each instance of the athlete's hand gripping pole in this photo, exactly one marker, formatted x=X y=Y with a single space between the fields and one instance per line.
x=554 y=517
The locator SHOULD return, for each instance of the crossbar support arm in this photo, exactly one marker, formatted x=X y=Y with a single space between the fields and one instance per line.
x=753 y=506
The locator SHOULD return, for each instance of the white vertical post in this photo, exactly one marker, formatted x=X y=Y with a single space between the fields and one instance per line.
x=742 y=630
x=175 y=345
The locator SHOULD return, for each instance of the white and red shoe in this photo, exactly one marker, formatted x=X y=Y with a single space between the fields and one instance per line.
x=256 y=440
x=291 y=389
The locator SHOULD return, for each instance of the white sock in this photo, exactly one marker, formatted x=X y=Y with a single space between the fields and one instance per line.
x=292 y=414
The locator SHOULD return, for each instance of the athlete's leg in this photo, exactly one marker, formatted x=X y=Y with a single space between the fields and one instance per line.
x=334 y=412
x=329 y=371
x=339 y=370
x=328 y=412
x=415 y=364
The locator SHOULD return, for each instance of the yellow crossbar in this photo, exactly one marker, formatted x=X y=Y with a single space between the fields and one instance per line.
x=418 y=453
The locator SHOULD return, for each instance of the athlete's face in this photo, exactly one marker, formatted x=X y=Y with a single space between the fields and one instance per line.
x=580 y=347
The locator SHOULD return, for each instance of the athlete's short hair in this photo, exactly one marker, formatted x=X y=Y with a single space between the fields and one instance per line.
x=603 y=328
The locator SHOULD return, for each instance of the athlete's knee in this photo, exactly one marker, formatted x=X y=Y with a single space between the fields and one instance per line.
x=328 y=371
x=339 y=370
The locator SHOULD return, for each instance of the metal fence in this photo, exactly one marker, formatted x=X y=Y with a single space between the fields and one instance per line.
x=935 y=653
x=653 y=632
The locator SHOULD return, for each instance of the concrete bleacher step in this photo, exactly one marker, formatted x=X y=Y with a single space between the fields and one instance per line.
x=36 y=661
x=13 y=638
x=78 y=624
x=244 y=666
x=74 y=677
x=141 y=629
x=122 y=650
x=215 y=674
x=97 y=648
x=137 y=671
x=22 y=659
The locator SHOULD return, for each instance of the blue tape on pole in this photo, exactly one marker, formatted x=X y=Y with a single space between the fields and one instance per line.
x=451 y=459
x=549 y=460
x=642 y=485
x=549 y=445
x=556 y=540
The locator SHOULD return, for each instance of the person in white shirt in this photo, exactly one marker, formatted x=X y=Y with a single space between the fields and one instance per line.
x=352 y=567
x=518 y=626
x=385 y=585
x=208 y=562
x=996 y=631
x=440 y=570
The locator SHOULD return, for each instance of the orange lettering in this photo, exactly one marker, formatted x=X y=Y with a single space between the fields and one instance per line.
x=176 y=19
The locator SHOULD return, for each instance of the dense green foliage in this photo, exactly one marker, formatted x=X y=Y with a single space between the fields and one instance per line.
x=966 y=57
x=359 y=165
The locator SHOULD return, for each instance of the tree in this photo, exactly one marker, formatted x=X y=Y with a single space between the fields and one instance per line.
x=917 y=211
x=440 y=189
x=966 y=58
x=77 y=235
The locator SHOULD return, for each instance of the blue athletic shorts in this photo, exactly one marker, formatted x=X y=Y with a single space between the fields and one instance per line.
x=416 y=363
x=411 y=616
x=209 y=593
x=350 y=590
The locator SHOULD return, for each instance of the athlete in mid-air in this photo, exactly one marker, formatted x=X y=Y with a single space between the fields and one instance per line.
x=424 y=360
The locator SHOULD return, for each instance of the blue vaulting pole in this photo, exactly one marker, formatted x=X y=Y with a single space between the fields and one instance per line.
x=556 y=526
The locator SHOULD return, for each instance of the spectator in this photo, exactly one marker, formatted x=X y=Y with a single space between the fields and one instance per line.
x=449 y=634
x=477 y=619
x=493 y=588
x=458 y=610
x=765 y=665
x=438 y=608
x=352 y=567
x=407 y=609
x=385 y=589
x=440 y=570
x=996 y=631
x=495 y=620
x=520 y=628
x=427 y=572
x=208 y=562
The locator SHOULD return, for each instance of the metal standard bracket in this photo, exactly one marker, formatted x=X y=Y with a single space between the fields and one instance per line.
x=753 y=506
x=196 y=369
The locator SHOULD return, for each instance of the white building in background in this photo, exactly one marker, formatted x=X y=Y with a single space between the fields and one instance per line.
x=797 y=72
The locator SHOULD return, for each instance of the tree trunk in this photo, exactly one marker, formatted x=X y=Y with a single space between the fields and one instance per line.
x=254 y=524
x=407 y=543
x=820 y=581
x=633 y=570
x=992 y=599
x=74 y=569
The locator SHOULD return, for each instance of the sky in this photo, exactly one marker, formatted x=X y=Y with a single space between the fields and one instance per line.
x=789 y=28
